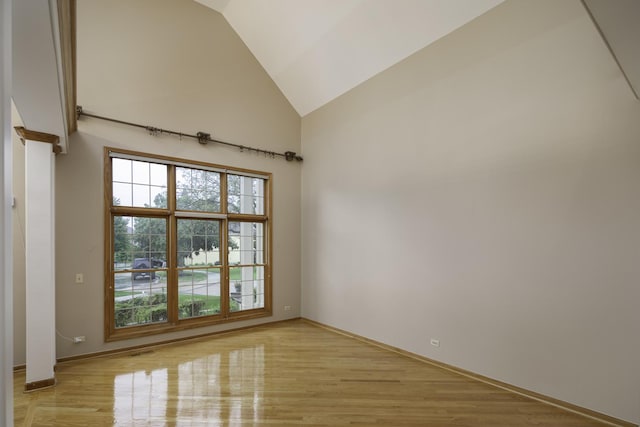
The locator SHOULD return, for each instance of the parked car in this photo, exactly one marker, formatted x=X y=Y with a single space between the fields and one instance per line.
x=145 y=264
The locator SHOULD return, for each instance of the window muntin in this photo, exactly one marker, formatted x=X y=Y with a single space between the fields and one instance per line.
x=180 y=265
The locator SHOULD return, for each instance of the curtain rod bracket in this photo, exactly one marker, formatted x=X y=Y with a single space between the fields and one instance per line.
x=203 y=138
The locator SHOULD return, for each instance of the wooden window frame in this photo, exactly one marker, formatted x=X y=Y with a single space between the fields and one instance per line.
x=173 y=323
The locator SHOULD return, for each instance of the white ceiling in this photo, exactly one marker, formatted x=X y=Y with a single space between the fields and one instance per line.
x=316 y=50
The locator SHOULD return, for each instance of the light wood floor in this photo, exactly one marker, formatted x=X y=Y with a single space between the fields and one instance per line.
x=291 y=373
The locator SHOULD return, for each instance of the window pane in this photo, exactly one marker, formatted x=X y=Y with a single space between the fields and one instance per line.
x=246 y=288
x=140 y=172
x=197 y=190
x=121 y=171
x=141 y=300
x=245 y=195
x=122 y=242
x=246 y=243
x=139 y=242
x=199 y=292
x=198 y=242
x=139 y=184
x=158 y=175
x=141 y=196
x=122 y=194
x=148 y=237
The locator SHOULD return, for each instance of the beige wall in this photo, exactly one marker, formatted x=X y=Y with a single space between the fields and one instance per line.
x=486 y=192
x=176 y=65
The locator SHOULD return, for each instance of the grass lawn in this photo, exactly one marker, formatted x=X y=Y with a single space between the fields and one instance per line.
x=235 y=273
x=122 y=293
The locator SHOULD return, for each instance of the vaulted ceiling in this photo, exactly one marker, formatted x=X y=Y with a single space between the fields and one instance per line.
x=316 y=50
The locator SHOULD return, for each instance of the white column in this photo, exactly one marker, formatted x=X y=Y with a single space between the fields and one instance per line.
x=6 y=258
x=40 y=257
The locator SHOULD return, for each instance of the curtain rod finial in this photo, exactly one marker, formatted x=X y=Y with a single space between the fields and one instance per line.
x=291 y=155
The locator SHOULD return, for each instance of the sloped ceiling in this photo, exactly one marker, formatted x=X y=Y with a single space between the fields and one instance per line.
x=618 y=24
x=316 y=50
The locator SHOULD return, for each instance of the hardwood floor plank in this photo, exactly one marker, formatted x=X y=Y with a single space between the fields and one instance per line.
x=292 y=373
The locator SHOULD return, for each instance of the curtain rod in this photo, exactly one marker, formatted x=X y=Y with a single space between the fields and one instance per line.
x=202 y=137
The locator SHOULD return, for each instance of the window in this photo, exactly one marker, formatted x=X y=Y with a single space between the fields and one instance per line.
x=187 y=244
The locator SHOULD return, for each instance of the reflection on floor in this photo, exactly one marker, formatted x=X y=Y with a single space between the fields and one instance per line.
x=290 y=373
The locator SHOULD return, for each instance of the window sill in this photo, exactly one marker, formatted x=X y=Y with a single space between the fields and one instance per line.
x=164 y=328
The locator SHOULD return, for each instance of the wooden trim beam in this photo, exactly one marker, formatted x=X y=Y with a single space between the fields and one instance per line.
x=67 y=27
x=37 y=385
x=32 y=135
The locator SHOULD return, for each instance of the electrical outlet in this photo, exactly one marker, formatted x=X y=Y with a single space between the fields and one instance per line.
x=435 y=342
x=77 y=340
x=287 y=308
x=79 y=278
